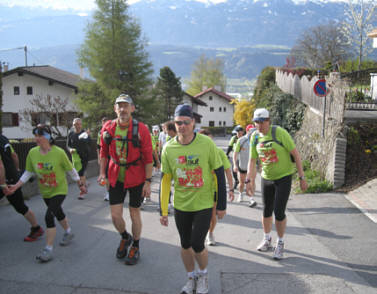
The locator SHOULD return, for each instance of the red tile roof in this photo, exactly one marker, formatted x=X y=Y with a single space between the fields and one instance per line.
x=213 y=90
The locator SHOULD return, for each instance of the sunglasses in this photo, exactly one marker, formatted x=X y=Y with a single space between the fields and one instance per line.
x=182 y=122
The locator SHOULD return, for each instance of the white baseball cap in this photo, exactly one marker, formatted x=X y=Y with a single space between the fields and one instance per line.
x=261 y=114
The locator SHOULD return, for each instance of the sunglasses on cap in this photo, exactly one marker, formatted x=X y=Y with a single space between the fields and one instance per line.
x=185 y=122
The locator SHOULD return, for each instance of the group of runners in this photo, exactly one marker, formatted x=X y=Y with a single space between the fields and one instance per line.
x=193 y=169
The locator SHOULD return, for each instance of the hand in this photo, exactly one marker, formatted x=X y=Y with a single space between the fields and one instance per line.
x=100 y=178
x=10 y=190
x=303 y=185
x=235 y=169
x=72 y=150
x=83 y=189
x=146 y=189
x=164 y=221
x=250 y=188
x=220 y=213
x=231 y=196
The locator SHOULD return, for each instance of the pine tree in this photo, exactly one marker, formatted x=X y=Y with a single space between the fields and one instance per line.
x=114 y=54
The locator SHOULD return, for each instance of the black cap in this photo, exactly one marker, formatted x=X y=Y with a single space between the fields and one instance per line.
x=184 y=110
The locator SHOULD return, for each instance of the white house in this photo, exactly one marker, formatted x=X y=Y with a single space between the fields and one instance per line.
x=219 y=111
x=373 y=80
x=23 y=84
x=194 y=103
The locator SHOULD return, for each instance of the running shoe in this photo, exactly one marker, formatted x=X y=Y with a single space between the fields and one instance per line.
x=265 y=245
x=106 y=198
x=211 y=239
x=279 y=251
x=252 y=202
x=81 y=197
x=45 y=255
x=202 y=284
x=34 y=234
x=133 y=256
x=190 y=286
x=123 y=247
x=67 y=238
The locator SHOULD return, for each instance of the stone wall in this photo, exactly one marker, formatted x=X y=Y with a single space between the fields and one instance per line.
x=321 y=141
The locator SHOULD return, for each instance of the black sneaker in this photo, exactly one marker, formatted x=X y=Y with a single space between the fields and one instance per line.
x=123 y=247
x=133 y=256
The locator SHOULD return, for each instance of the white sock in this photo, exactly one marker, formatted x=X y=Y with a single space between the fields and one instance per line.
x=267 y=236
x=191 y=275
x=68 y=231
x=280 y=240
x=202 y=272
x=49 y=248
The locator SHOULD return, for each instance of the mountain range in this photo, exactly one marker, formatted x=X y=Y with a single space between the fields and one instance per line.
x=247 y=34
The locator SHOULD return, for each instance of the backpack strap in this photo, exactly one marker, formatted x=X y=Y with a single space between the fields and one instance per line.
x=273 y=134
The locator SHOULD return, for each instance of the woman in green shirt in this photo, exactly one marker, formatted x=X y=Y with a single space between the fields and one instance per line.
x=50 y=163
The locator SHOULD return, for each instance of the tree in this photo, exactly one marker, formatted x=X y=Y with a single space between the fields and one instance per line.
x=319 y=46
x=53 y=111
x=207 y=73
x=359 y=18
x=243 y=112
x=168 y=91
x=114 y=53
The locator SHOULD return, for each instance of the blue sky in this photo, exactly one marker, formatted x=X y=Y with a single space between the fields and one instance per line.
x=85 y=5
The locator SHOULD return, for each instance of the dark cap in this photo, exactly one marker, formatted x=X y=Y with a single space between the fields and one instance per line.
x=124 y=98
x=184 y=110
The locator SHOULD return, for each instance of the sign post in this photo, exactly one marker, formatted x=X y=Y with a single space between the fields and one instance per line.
x=321 y=91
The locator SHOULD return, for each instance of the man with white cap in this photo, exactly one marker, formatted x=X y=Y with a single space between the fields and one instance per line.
x=277 y=154
x=127 y=142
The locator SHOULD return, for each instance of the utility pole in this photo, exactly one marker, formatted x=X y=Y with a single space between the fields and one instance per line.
x=18 y=48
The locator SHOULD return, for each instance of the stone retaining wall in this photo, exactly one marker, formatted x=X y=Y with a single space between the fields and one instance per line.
x=324 y=146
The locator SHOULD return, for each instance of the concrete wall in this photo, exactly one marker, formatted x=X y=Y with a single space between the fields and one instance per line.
x=320 y=140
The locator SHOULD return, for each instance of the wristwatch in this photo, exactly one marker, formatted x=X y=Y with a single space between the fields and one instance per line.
x=148 y=180
x=302 y=178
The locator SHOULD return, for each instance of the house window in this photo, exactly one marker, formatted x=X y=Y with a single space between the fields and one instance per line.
x=224 y=109
x=220 y=109
x=10 y=119
x=16 y=90
x=29 y=90
x=224 y=123
x=210 y=98
x=211 y=123
x=211 y=109
x=220 y=123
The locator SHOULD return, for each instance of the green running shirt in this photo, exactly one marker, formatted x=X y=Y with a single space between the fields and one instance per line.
x=50 y=169
x=191 y=167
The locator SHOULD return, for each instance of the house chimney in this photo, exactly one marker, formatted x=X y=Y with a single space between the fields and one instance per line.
x=6 y=67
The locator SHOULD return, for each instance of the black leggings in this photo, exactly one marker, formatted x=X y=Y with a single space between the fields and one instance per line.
x=193 y=227
x=17 y=201
x=54 y=209
x=275 y=196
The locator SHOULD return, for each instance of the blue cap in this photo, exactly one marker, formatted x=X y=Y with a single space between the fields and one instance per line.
x=184 y=110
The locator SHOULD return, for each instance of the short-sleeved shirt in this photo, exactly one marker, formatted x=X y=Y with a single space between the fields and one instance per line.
x=121 y=150
x=233 y=141
x=50 y=169
x=191 y=167
x=275 y=159
x=224 y=159
x=243 y=149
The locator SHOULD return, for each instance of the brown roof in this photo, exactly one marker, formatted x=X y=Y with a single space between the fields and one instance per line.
x=49 y=73
x=373 y=34
x=195 y=100
x=213 y=90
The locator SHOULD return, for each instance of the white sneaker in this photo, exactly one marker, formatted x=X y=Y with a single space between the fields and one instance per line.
x=190 y=287
x=252 y=202
x=202 y=284
x=265 y=245
x=147 y=200
x=67 y=238
x=210 y=240
x=279 y=251
x=106 y=198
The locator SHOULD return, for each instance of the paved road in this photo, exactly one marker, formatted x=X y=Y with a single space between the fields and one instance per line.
x=330 y=248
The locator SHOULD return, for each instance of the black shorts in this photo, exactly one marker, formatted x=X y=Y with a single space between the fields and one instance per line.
x=84 y=164
x=118 y=194
x=240 y=170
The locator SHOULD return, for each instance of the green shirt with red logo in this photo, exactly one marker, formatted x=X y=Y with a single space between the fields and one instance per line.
x=50 y=169
x=275 y=159
x=191 y=167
